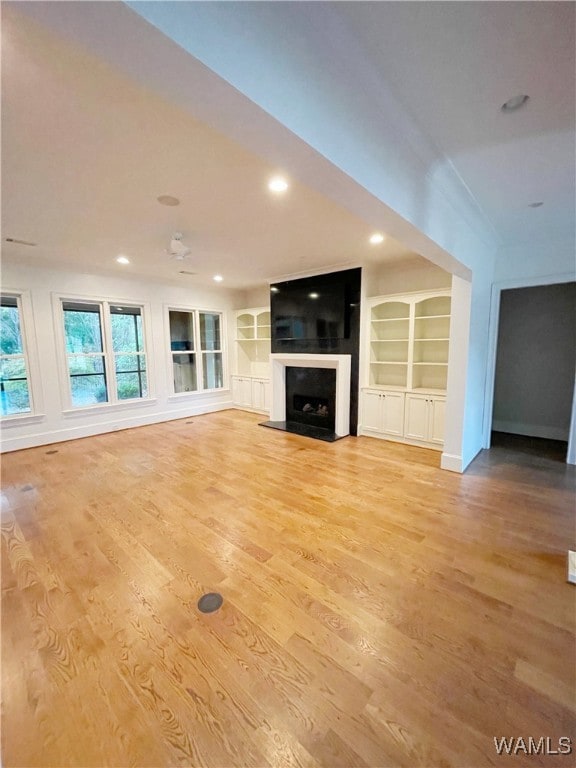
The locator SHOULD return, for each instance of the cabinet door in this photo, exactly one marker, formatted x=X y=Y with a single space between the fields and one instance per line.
x=416 y=419
x=372 y=411
x=437 y=406
x=242 y=391
x=393 y=413
x=258 y=396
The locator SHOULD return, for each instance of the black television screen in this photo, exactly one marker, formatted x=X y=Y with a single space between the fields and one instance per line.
x=314 y=310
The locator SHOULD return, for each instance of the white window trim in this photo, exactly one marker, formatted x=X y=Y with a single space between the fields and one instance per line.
x=105 y=303
x=195 y=311
x=31 y=360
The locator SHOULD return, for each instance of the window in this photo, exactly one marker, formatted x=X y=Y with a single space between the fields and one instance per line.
x=15 y=396
x=129 y=357
x=196 y=350
x=211 y=350
x=105 y=352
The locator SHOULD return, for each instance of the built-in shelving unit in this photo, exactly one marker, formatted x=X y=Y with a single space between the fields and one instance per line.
x=389 y=343
x=406 y=371
x=430 y=345
x=251 y=378
x=253 y=342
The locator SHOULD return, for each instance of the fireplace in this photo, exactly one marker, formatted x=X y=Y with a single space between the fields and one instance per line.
x=311 y=396
x=321 y=382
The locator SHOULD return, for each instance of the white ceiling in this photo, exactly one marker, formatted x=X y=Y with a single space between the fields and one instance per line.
x=86 y=150
x=453 y=64
x=86 y=153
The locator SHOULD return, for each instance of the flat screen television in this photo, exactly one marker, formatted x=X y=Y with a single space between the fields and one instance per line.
x=315 y=312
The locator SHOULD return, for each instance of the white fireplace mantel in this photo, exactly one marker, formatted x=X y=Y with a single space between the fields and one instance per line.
x=340 y=363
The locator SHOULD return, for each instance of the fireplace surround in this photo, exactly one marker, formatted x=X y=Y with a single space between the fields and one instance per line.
x=341 y=365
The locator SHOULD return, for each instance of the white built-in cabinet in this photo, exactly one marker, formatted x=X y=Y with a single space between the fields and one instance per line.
x=383 y=412
x=406 y=340
x=424 y=418
x=251 y=378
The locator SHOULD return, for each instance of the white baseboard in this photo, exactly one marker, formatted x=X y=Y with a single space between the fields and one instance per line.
x=452 y=463
x=403 y=440
x=530 y=430
x=115 y=425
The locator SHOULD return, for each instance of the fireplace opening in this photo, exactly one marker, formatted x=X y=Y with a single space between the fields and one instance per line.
x=311 y=397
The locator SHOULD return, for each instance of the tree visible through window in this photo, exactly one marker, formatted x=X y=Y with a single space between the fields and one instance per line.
x=14 y=385
x=95 y=375
x=85 y=353
x=128 y=347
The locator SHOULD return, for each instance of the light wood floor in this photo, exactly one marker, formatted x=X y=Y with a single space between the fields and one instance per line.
x=377 y=610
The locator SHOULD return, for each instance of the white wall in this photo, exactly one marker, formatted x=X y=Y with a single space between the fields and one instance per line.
x=536 y=361
x=256 y=297
x=532 y=260
x=414 y=274
x=55 y=425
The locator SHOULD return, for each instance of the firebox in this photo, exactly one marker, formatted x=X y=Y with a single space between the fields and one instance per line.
x=311 y=397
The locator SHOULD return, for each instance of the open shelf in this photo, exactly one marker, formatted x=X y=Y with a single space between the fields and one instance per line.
x=390 y=310
x=430 y=376
x=431 y=352
x=253 y=343
x=409 y=342
x=388 y=374
x=434 y=327
x=435 y=306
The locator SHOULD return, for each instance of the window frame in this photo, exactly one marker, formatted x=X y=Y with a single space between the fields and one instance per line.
x=31 y=360
x=108 y=354
x=197 y=351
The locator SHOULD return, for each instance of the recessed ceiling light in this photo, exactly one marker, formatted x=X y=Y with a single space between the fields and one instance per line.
x=313 y=295
x=278 y=184
x=123 y=260
x=535 y=205
x=168 y=200
x=274 y=289
x=376 y=238
x=514 y=103
x=218 y=278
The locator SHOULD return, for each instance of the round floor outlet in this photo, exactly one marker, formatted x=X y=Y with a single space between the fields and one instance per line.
x=210 y=602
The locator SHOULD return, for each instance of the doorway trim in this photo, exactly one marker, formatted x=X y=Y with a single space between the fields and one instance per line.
x=497 y=289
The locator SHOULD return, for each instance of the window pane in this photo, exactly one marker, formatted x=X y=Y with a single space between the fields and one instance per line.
x=126 y=329
x=79 y=364
x=14 y=397
x=10 y=336
x=181 y=330
x=82 y=329
x=88 y=390
x=130 y=363
x=12 y=368
x=131 y=385
x=213 y=378
x=185 y=373
x=209 y=331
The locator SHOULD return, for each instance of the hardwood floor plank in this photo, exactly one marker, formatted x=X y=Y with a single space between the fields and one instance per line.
x=377 y=611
